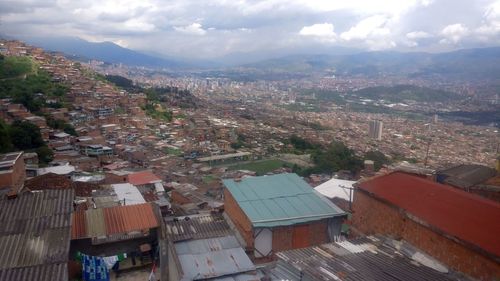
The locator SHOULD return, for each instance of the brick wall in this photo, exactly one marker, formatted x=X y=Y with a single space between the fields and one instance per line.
x=283 y=236
x=318 y=233
x=372 y=216
x=179 y=198
x=239 y=218
x=16 y=177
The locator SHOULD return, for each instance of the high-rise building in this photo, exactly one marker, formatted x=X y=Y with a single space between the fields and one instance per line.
x=375 y=129
x=435 y=119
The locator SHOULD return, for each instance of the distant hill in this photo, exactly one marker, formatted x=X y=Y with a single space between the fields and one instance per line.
x=468 y=63
x=104 y=51
x=401 y=93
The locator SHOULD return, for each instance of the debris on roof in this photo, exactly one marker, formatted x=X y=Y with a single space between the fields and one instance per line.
x=366 y=258
x=196 y=227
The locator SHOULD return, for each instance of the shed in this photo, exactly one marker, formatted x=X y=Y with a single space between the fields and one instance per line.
x=280 y=212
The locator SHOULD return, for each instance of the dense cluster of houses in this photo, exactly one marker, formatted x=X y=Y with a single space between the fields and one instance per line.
x=128 y=223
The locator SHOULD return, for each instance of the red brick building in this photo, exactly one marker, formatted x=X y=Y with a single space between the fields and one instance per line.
x=12 y=171
x=280 y=212
x=460 y=229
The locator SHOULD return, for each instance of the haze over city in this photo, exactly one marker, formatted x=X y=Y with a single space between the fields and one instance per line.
x=262 y=29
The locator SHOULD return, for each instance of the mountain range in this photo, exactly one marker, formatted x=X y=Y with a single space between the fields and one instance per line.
x=480 y=63
x=105 y=51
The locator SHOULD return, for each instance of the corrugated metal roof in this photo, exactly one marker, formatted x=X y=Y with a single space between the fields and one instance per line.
x=128 y=193
x=197 y=227
x=115 y=220
x=50 y=272
x=282 y=199
x=35 y=235
x=361 y=259
x=465 y=216
x=214 y=257
x=141 y=178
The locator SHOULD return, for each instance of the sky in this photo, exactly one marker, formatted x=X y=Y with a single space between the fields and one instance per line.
x=216 y=28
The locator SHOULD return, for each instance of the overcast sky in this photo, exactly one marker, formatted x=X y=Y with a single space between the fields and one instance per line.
x=213 y=28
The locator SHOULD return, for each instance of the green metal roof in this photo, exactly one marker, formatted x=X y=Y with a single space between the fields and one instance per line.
x=280 y=200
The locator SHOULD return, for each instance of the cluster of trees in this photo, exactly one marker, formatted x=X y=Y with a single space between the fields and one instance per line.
x=151 y=111
x=336 y=156
x=59 y=124
x=23 y=135
x=25 y=84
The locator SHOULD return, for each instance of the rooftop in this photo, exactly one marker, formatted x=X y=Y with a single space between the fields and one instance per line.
x=465 y=216
x=115 y=220
x=35 y=235
x=141 y=178
x=366 y=258
x=128 y=193
x=214 y=257
x=283 y=199
x=467 y=175
x=196 y=227
x=9 y=159
x=336 y=188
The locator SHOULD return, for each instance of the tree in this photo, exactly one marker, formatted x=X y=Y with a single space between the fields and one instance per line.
x=5 y=141
x=378 y=158
x=337 y=157
x=45 y=154
x=25 y=135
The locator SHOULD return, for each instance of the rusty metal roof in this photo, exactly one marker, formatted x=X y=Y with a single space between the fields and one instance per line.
x=35 y=234
x=367 y=258
x=141 y=178
x=115 y=220
x=465 y=216
x=197 y=227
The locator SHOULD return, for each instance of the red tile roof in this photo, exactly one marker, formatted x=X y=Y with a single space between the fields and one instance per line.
x=119 y=219
x=143 y=177
x=465 y=216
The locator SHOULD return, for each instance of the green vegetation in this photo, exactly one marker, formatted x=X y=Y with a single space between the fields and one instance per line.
x=261 y=167
x=22 y=135
x=173 y=151
x=240 y=142
x=209 y=179
x=22 y=82
x=400 y=93
x=378 y=158
x=14 y=67
x=59 y=124
x=300 y=145
x=157 y=114
x=303 y=107
x=337 y=156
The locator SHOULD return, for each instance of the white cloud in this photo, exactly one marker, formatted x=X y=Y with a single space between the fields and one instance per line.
x=491 y=21
x=371 y=26
x=220 y=27
x=417 y=35
x=324 y=30
x=193 y=29
x=453 y=33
